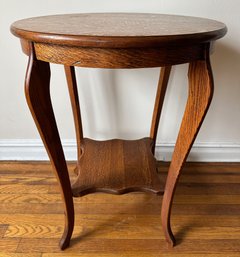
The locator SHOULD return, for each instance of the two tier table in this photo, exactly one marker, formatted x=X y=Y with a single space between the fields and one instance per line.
x=117 y=41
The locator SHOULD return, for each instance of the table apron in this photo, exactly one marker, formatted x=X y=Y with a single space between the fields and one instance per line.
x=113 y=58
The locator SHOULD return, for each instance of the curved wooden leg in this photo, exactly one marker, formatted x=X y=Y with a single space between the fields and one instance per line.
x=199 y=98
x=73 y=93
x=38 y=98
x=161 y=90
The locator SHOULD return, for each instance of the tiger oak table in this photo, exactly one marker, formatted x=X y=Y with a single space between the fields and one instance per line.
x=117 y=40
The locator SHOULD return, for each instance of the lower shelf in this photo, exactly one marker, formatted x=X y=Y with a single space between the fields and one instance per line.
x=116 y=166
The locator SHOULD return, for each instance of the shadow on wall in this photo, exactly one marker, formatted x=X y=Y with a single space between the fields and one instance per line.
x=226 y=61
x=99 y=101
x=119 y=103
x=107 y=105
x=222 y=119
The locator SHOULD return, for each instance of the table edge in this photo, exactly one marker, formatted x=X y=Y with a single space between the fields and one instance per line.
x=118 y=41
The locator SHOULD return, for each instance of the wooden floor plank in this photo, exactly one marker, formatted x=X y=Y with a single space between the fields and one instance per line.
x=195 y=189
x=86 y=244
x=130 y=198
x=23 y=189
x=137 y=254
x=95 y=220
x=144 y=208
x=9 y=245
x=121 y=230
x=205 y=215
x=3 y=228
x=46 y=178
x=20 y=254
x=207 y=199
x=27 y=180
x=30 y=198
x=207 y=189
x=210 y=178
x=182 y=189
x=36 y=168
x=203 y=167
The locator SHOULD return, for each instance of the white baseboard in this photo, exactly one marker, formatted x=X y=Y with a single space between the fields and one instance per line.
x=33 y=150
x=203 y=152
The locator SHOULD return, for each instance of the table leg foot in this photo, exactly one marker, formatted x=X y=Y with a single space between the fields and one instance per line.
x=199 y=98
x=68 y=230
x=66 y=237
x=37 y=92
x=171 y=241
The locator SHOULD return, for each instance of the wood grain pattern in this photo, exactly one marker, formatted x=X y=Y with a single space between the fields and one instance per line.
x=135 y=245
x=161 y=90
x=3 y=228
x=104 y=223
x=9 y=244
x=139 y=254
x=118 y=30
x=40 y=173
x=118 y=58
x=38 y=98
x=95 y=220
x=73 y=92
x=116 y=166
x=144 y=209
x=119 y=231
x=34 y=189
x=199 y=98
x=116 y=40
x=20 y=254
x=55 y=198
x=35 y=198
x=34 y=231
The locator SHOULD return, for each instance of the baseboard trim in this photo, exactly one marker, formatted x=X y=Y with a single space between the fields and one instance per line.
x=33 y=150
x=203 y=152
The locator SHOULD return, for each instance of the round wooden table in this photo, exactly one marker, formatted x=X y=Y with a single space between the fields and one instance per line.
x=117 y=40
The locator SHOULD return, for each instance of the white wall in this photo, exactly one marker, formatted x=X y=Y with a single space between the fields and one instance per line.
x=118 y=103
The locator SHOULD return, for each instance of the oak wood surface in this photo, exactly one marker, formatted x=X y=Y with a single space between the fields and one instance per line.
x=118 y=58
x=37 y=91
x=118 y=29
x=116 y=166
x=73 y=93
x=161 y=90
x=117 y=41
x=199 y=99
x=117 y=231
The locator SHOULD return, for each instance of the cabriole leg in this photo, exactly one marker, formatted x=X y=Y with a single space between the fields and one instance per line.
x=199 y=98
x=38 y=98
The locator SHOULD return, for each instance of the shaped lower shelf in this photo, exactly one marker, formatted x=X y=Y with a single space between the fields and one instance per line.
x=116 y=166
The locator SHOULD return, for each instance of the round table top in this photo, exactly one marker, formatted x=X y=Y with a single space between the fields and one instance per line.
x=118 y=29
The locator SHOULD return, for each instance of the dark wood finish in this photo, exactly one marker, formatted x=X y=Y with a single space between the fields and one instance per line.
x=118 y=30
x=199 y=99
x=39 y=102
x=117 y=167
x=117 y=41
x=161 y=90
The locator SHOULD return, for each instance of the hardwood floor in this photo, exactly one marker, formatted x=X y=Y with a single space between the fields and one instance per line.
x=205 y=216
